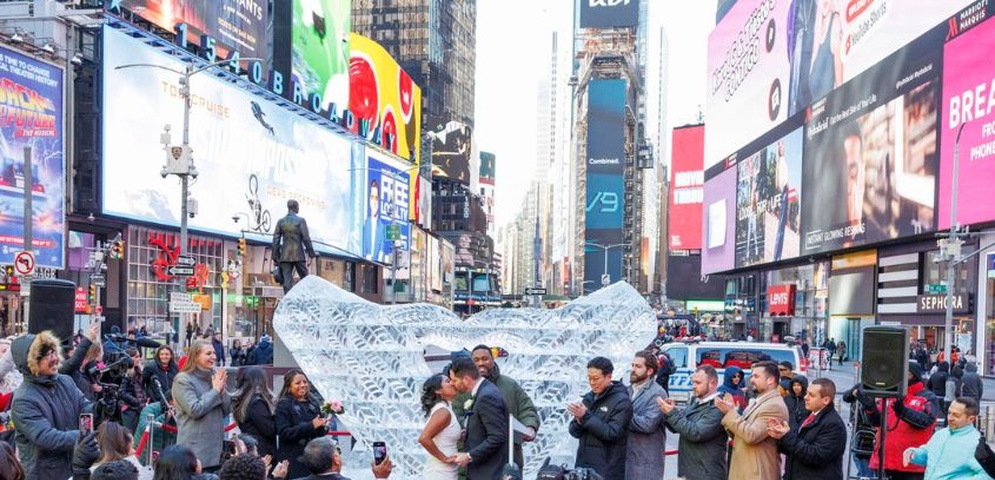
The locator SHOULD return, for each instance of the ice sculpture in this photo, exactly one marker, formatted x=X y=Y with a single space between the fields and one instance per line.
x=371 y=357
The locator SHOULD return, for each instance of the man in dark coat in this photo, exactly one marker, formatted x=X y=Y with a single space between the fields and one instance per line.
x=815 y=448
x=324 y=459
x=971 y=384
x=45 y=408
x=486 y=423
x=601 y=422
x=703 y=439
x=291 y=241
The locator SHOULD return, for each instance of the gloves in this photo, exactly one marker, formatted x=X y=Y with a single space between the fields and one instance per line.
x=85 y=452
x=984 y=455
x=898 y=406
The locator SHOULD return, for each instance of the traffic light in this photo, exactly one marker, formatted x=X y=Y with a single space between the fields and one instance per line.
x=241 y=247
x=117 y=250
x=93 y=293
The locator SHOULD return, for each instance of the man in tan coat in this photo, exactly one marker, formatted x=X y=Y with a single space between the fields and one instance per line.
x=754 y=452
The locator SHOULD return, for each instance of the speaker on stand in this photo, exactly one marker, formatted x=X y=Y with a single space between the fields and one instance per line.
x=884 y=372
x=52 y=301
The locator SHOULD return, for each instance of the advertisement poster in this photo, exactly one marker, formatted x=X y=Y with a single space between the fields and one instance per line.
x=451 y=150
x=382 y=95
x=687 y=183
x=235 y=24
x=719 y=230
x=31 y=108
x=605 y=184
x=871 y=156
x=768 y=202
x=388 y=202
x=251 y=155
x=608 y=13
x=968 y=86
x=311 y=45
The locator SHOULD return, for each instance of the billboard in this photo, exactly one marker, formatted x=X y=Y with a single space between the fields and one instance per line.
x=311 y=42
x=388 y=199
x=768 y=60
x=686 y=188
x=871 y=154
x=719 y=217
x=605 y=184
x=609 y=13
x=31 y=109
x=967 y=105
x=236 y=24
x=768 y=202
x=383 y=99
x=487 y=171
x=252 y=155
x=451 y=149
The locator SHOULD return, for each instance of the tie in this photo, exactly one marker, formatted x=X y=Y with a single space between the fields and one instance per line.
x=808 y=421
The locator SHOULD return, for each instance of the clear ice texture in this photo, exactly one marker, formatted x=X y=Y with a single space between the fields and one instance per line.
x=372 y=358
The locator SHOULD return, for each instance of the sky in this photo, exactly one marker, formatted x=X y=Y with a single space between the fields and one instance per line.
x=512 y=56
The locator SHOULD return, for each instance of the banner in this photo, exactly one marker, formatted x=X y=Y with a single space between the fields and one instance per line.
x=605 y=183
x=687 y=180
x=251 y=155
x=768 y=202
x=608 y=13
x=719 y=216
x=451 y=149
x=389 y=198
x=31 y=109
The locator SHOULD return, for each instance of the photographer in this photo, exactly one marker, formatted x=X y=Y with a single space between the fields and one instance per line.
x=75 y=366
x=133 y=396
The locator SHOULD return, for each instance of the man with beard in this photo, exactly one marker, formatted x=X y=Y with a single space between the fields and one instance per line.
x=518 y=402
x=647 y=438
x=702 y=439
x=601 y=422
x=754 y=451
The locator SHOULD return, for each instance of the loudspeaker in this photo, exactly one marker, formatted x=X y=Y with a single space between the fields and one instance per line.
x=885 y=361
x=51 y=307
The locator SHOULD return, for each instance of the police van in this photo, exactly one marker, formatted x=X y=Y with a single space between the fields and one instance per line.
x=689 y=356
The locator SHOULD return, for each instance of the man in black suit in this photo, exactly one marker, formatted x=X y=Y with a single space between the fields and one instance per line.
x=815 y=448
x=324 y=459
x=291 y=241
x=486 y=422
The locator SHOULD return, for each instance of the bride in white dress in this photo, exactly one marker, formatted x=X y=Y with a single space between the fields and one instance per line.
x=442 y=431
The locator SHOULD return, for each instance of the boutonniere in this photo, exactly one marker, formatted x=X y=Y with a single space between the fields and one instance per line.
x=468 y=404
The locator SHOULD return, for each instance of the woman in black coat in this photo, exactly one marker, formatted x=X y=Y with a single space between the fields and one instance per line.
x=253 y=407
x=298 y=420
x=164 y=368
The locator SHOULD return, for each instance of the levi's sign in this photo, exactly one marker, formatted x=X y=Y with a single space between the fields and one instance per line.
x=938 y=303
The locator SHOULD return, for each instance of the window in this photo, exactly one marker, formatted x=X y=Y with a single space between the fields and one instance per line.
x=678 y=355
x=371 y=280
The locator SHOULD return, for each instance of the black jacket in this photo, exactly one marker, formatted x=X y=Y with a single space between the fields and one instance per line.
x=154 y=369
x=487 y=433
x=815 y=452
x=294 y=428
x=603 y=431
x=796 y=403
x=260 y=424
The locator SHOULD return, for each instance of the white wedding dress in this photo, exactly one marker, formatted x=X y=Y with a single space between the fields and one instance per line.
x=446 y=441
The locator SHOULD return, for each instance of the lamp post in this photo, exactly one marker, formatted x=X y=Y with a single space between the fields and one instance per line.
x=950 y=250
x=605 y=277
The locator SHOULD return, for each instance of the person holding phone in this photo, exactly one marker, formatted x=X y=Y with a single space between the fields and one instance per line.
x=202 y=403
x=298 y=420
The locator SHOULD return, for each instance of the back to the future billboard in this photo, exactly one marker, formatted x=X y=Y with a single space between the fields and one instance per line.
x=605 y=184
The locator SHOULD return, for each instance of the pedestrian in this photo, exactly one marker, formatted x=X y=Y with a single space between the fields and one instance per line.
x=647 y=440
x=733 y=384
x=323 y=458
x=115 y=443
x=841 y=351
x=601 y=422
x=795 y=400
x=158 y=375
x=949 y=453
x=162 y=430
x=236 y=353
x=786 y=371
x=253 y=406
x=291 y=241
x=754 y=452
x=298 y=419
x=262 y=353
x=814 y=448
x=910 y=424
x=190 y=330
x=937 y=383
x=971 y=384
x=202 y=403
x=133 y=396
x=219 y=348
x=830 y=346
x=702 y=441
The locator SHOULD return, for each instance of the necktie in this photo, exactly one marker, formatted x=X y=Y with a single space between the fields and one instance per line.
x=808 y=421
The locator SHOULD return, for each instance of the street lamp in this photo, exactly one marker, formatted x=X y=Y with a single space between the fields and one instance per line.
x=179 y=162
x=605 y=277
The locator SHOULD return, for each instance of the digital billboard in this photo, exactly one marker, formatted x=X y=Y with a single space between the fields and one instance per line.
x=236 y=24
x=609 y=13
x=605 y=162
x=718 y=251
x=487 y=171
x=31 y=115
x=251 y=155
x=768 y=60
x=388 y=196
x=768 y=202
x=686 y=188
x=968 y=86
x=451 y=149
x=871 y=154
x=311 y=43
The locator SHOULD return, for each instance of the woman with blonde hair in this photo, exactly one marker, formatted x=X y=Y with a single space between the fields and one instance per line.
x=202 y=404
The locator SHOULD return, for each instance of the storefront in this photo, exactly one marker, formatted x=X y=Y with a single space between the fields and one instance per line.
x=794 y=303
x=852 y=299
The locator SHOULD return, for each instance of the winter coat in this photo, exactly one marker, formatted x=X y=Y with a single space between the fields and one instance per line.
x=703 y=440
x=219 y=350
x=912 y=429
x=200 y=415
x=754 y=453
x=647 y=437
x=603 y=431
x=260 y=424
x=938 y=381
x=736 y=390
x=74 y=367
x=815 y=451
x=166 y=374
x=160 y=437
x=261 y=354
x=971 y=384
x=796 y=403
x=294 y=429
x=950 y=454
x=45 y=411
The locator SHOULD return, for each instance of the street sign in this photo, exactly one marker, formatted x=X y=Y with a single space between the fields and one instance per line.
x=393 y=232
x=180 y=297
x=185 y=307
x=98 y=279
x=24 y=263
x=185 y=261
x=179 y=271
x=535 y=291
x=936 y=288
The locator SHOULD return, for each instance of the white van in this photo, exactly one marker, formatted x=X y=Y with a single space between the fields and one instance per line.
x=689 y=356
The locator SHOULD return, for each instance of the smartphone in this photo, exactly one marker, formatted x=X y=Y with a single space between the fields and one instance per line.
x=85 y=423
x=379 y=452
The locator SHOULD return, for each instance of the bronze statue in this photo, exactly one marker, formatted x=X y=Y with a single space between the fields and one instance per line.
x=290 y=242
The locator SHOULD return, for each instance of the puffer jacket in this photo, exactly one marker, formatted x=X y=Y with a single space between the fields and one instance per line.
x=797 y=413
x=45 y=411
x=603 y=431
x=735 y=390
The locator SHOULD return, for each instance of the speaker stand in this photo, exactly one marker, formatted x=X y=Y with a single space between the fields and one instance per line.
x=884 y=433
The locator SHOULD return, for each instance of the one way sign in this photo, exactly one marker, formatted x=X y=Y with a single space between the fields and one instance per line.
x=180 y=271
x=535 y=291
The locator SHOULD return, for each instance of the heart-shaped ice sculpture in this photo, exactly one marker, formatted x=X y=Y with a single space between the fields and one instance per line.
x=371 y=357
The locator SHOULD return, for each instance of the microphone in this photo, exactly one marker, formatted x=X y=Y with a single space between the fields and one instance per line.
x=126 y=361
x=141 y=342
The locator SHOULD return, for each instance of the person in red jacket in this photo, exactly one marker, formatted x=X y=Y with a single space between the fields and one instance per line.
x=910 y=423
